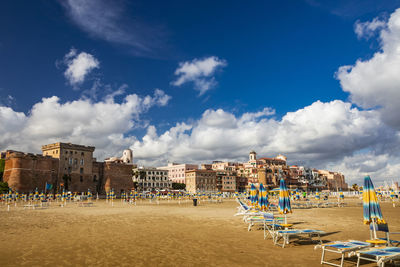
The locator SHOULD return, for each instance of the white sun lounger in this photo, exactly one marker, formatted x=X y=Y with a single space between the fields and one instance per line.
x=341 y=247
x=380 y=255
x=286 y=234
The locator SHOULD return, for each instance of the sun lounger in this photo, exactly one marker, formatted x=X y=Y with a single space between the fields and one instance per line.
x=380 y=255
x=285 y=235
x=262 y=219
x=31 y=206
x=341 y=247
x=385 y=229
x=85 y=204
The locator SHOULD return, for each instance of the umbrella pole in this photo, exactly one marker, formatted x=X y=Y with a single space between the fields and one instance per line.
x=374 y=228
x=285 y=219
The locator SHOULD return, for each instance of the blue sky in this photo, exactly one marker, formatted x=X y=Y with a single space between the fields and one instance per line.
x=276 y=57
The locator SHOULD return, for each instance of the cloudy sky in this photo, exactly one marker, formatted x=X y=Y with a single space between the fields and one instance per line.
x=318 y=81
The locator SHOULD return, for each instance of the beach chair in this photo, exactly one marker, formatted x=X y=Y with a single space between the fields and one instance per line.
x=385 y=229
x=286 y=234
x=271 y=225
x=380 y=255
x=261 y=219
x=341 y=247
x=246 y=211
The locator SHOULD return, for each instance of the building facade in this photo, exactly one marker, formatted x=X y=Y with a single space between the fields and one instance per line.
x=202 y=180
x=68 y=167
x=177 y=172
x=151 y=179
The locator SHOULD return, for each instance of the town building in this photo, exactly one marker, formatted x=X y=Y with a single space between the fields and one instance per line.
x=202 y=180
x=226 y=181
x=334 y=180
x=68 y=167
x=177 y=172
x=151 y=179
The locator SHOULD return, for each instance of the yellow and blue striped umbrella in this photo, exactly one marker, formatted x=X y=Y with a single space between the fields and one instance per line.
x=392 y=194
x=317 y=197
x=263 y=204
x=372 y=210
x=284 y=199
x=36 y=196
x=112 y=194
x=253 y=196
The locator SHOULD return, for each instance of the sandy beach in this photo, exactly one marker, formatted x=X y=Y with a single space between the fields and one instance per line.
x=167 y=234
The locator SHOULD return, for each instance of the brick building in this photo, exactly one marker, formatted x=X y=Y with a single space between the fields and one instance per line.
x=66 y=166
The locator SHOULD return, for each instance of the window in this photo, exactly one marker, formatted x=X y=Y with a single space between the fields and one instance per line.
x=66 y=152
x=82 y=161
x=82 y=154
x=70 y=161
x=81 y=178
x=81 y=170
x=75 y=161
x=94 y=178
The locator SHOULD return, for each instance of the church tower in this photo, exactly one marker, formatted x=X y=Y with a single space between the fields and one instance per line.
x=252 y=156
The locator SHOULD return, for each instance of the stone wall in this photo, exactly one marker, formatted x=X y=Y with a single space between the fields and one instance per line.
x=26 y=172
x=118 y=176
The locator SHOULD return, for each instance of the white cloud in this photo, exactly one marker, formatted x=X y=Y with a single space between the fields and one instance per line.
x=200 y=72
x=318 y=135
x=79 y=66
x=375 y=82
x=107 y=20
x=105 y=124
x=369 y=28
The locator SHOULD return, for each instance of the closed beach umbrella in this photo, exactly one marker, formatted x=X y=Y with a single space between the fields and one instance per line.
x=392 y=194
x=284 y=199
x=372 y=210
x=36 y=196
x=317 y=197
x=263 y=203
x=253 y=196
x=341 y=195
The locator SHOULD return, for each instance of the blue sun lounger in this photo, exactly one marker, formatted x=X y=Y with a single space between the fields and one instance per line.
x=341 y=247
x=286 y=234
x=380 y=255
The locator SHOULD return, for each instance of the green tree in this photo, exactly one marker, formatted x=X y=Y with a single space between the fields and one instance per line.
x=355 y=187
x=66 y=179
x=3 y=187
x=2 y=164
x=178 y=186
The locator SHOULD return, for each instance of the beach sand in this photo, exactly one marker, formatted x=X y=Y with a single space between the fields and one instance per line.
x=167 y=234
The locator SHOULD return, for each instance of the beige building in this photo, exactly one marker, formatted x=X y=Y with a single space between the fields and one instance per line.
x=151 y=179
x=334 y=180
x=75 y=162
x=201 y=181
x=177 y=172
x=226 y=181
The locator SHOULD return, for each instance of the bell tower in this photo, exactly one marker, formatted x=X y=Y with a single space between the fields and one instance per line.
x=252 y=156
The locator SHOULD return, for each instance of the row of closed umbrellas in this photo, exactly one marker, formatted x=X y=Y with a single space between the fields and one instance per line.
x=371 y=208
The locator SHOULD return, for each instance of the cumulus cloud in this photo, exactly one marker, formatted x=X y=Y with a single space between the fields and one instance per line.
x=107 y=20
x=369 y=28
x=316 y=136
x=375 y=82
x=200 y=72
x=105 y=124
x=79 y=66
